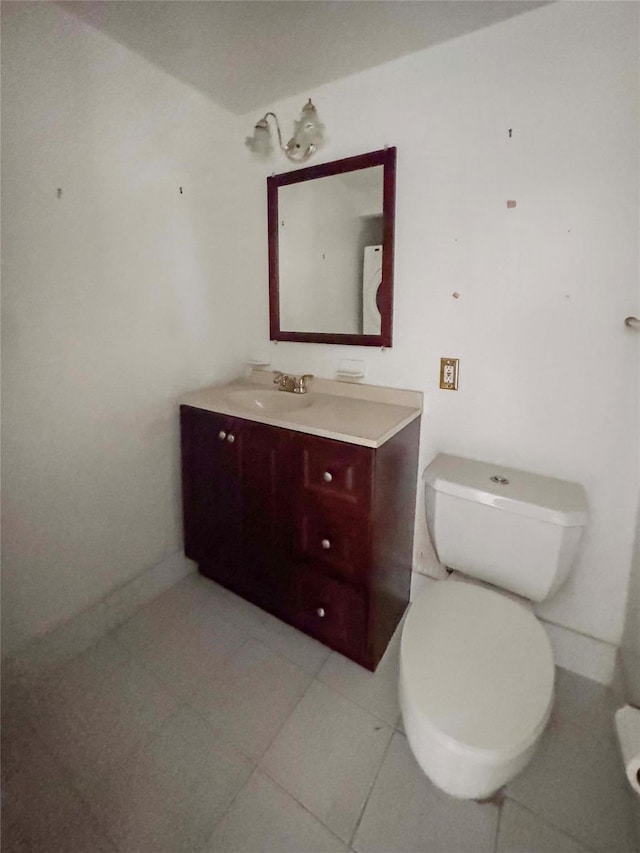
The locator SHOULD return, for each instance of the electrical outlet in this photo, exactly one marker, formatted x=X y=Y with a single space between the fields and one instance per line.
x=449 y=374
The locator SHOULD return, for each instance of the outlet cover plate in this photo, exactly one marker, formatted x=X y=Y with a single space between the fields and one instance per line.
x=449 y=374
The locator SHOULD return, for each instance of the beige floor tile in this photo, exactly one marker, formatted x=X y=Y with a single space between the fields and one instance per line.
x=576 y=783
x=521 y=831
x=264 y=818
x=215 y=598
x=43 y=813
x=92 y=722
x=185 y=655
x=103 y=750
x=375 y=691
x=241 y=611
x=195 y=605
x=326 y=756
x=250 y=697
x=171 y=794
x=582 y=701
x=70 y=683
x=20 y=743
x=405 y=812
x=302 y=650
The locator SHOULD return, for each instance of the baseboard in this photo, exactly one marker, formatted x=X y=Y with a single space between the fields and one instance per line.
x=628 y=675
x=583 y=655
x=618 y=685
x=83 y=630
x=419 y=583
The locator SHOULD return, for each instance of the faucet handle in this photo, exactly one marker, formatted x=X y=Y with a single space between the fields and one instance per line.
x=278 y=374
x=301 y=383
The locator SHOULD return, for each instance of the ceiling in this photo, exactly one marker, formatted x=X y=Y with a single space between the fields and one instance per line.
x=246 y=54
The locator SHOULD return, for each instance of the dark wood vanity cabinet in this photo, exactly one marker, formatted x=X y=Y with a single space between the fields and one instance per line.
x=233 y=501
x=318 y=532
x=210 y=490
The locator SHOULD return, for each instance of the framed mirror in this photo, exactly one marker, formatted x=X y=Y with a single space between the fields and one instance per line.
x=331 y=240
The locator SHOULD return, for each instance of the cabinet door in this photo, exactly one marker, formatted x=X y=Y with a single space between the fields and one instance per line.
x=210 y=492
x=264 y=491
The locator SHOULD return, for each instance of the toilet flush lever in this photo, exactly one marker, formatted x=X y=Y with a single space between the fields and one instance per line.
x=502 y=481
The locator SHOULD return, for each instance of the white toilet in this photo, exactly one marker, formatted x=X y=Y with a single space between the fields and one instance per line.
x=476 y=668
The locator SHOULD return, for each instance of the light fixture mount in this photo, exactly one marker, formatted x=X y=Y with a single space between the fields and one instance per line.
x=307 y=135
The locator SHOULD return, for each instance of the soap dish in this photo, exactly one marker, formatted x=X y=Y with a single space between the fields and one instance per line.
x=351 y=369
x=258 y=362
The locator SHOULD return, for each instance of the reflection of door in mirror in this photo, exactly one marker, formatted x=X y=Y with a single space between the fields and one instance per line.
x=324 y=226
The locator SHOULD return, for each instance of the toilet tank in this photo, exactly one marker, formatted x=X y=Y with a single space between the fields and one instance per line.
x=513 y=529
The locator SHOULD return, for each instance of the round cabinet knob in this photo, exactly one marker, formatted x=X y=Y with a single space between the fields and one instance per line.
x=326 y=544
x=231 y=438
x=320 y=611
x=327 y=477
x=222 y=435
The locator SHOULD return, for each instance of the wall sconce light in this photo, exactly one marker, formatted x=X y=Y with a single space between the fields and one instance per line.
x=307 y=135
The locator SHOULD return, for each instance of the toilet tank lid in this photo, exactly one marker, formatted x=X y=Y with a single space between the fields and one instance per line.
x=533 y=495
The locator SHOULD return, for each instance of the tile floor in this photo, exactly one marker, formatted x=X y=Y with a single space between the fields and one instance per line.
x=203 y=724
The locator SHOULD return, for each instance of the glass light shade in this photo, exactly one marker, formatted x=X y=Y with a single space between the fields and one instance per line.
x=307 y=135
x=260 y=142
x=308 y=129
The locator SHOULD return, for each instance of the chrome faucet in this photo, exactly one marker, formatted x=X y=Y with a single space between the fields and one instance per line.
x=294 y=384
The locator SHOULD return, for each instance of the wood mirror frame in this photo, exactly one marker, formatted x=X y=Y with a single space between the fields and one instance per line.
x=385 y=158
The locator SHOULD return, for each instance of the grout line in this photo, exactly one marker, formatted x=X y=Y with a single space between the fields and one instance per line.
x=186 y=700
x=498 y=822
x=316 y=817
x=284 y=723
x=302 y=805
x=352 y=838
x=392 y=726
x=264 y=639
x=118 y=769
x=266 y=773
x=74 y=781
x=545 y=820
x=264 y=636
x=369 y=710
x=228 y=809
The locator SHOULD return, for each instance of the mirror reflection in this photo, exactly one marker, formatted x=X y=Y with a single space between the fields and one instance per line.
x=331 y=251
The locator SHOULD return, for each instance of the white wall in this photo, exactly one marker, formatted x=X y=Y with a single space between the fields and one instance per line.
x=630 y=650
x=549 y=376
x=117 y=297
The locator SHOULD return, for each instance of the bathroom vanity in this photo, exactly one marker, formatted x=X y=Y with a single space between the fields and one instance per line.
x=304 y=504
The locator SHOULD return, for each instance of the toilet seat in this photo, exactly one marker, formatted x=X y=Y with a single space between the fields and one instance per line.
x=476 y=686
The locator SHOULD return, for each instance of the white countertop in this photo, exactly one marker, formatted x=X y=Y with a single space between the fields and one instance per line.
x=361 y=414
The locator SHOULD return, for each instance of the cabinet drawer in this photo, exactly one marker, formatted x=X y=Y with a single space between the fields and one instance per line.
x=336 y=469
x=334 y=539
x=333 y=612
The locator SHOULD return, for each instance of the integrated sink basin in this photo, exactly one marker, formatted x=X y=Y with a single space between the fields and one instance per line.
x=268 y=402
x=368 y=415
